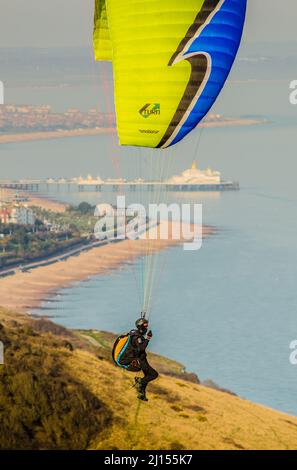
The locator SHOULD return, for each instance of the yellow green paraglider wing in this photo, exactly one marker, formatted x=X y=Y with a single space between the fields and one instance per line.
x=171 y=59
x=102 y=44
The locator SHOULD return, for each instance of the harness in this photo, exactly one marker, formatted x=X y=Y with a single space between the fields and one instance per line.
x=123 y=346
x=119 y=348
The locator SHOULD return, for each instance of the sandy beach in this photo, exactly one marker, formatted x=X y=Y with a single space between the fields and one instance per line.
x=32 y=136
x=24 y=291
x=33 y=200
x=231 y=123
x=47 y=135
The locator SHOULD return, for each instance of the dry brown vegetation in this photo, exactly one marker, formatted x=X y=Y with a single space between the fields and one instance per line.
x=42 y=405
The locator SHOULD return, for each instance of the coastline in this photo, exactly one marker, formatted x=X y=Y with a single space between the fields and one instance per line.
x=25 y=291
x=72 y=373
x=33 y=200
x=48 y=135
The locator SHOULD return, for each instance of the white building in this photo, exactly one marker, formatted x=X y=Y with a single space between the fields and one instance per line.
x=22 y=215
x=196 y=176
x=88 y=180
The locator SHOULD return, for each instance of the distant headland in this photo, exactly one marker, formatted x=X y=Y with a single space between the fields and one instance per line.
x=22 y=123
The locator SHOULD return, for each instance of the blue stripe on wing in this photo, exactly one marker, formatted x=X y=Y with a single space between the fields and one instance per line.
x=220 y=39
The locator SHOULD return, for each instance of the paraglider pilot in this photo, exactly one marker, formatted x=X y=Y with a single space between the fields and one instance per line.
x=129 y=352
x=139 y=344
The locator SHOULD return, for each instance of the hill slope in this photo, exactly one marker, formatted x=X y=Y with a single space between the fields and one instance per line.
x=88 y=402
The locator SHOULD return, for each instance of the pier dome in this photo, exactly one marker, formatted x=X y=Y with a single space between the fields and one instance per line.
x=194 y=175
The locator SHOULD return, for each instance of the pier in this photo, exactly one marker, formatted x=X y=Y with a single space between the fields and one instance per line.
x=190 y=180
x=44 y=185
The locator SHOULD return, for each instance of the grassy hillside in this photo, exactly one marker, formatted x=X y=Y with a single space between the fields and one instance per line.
x=59 y=389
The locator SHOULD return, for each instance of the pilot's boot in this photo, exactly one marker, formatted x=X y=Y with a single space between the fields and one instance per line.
x=141 y=393
x=137 y=384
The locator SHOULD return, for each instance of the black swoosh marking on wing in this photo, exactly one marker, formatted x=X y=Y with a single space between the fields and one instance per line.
x=199 y=65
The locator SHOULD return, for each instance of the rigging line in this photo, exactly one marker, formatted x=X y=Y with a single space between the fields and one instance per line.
x=147 y=154
x=166 y=194
x=107 y=112
x=141 y=156
x=157 y=255
x=197 y=147
x=162 y=267
x=199 y=135
x=164 y=191
x=150 y=188
x=134 y=255
x=115 y=150
x=148 y=237
x=200 y=132
x=163 y=171
x=146 y=202
x=143 y=163
x=153 y=162
x=155 y=242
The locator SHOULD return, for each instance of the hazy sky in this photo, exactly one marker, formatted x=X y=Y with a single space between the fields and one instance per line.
x=69 y=22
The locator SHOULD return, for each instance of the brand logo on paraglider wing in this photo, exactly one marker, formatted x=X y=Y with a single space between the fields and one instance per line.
x=150 y=109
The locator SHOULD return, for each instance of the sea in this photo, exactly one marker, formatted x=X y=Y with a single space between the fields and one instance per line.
x=228 y=311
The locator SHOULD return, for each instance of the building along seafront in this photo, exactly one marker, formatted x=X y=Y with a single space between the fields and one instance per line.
x=16 y=214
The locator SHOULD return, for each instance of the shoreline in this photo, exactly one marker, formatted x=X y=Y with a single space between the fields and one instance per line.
x=48 y=135
x=184 y=407
x=25 y=291
x=33 y=200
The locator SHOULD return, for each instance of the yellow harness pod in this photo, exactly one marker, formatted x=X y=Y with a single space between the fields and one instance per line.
x=119 y=349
